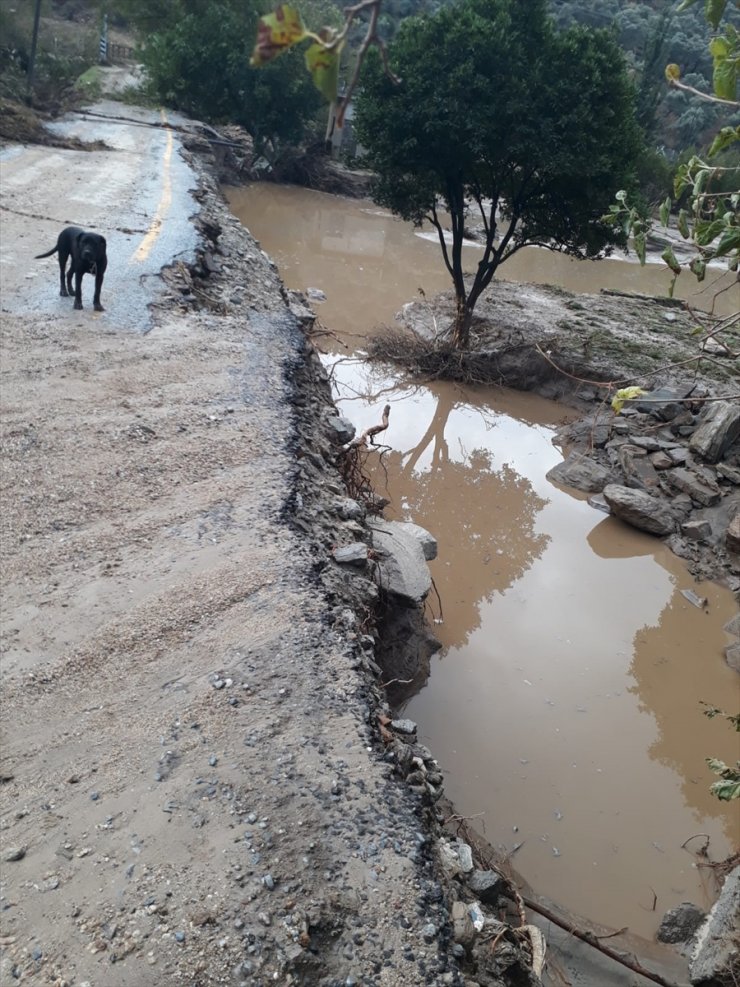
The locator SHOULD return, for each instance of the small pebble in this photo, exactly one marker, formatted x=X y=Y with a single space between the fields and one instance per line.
x=179 y=937
x=94 y=796
x=14 y=853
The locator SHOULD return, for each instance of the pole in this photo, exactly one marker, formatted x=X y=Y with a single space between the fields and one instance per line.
x=32 y=57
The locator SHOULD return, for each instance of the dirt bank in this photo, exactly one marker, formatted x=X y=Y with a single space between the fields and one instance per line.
x=193 y=786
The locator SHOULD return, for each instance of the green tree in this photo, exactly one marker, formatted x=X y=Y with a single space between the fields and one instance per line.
x=498 y=110
x=196 y=56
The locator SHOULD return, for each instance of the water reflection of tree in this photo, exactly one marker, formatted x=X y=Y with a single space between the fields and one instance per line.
x=669 y=690
x=675 y=663
x=482 y=515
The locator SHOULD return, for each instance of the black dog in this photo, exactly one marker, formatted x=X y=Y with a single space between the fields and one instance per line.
x=88 y=254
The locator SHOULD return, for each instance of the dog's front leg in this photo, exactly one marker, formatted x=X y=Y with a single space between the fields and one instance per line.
x=78 y=288
x=98 y=285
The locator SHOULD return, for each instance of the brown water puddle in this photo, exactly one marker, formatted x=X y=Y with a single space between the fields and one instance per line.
x=564 y=705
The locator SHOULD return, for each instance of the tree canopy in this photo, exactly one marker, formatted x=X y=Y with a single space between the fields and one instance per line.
x=496 y=108
x=196 y=54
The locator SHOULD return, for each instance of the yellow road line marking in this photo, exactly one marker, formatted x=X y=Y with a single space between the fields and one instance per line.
x=165 y=201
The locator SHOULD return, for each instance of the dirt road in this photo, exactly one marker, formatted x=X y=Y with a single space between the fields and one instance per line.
x=190 y=788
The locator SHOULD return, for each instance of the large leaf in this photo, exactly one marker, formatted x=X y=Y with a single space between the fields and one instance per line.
x=724 y=77
x=714 y=10
x=665 y=211
x=683 y=225
x=726 y=137
x=323 y=64
x=698 y=268
x=276 y=33
x=641 y=248
x=729 y=241
x=670 y=258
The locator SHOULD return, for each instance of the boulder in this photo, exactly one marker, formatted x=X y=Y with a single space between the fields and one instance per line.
x=580 y=472
x=699 y=530
x=718 y=428
x=732 y=656
x=716 y=956
x=341 y=430
x=680 y=924
x=701 y=489
x=732 y=535
x=401 y=555
x=640 y=509
x=664 y=403
x=638 y=470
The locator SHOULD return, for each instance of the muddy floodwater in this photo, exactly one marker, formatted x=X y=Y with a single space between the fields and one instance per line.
x=564 y=703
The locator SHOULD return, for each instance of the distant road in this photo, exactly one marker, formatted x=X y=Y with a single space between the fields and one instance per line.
x=137 y=193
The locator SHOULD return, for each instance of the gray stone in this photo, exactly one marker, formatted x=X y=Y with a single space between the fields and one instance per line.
x=403 y=726
x=700 y=488
x=729 y=473
x=427 y=541
x=638 y=470
x=680 y=923
x=678 y=456
x=732 y=656
x=486 y=885
x=465 y=856
x=401 y=560
x=664 y=403
x=598 y=503
x=732 y=535
x=733 y=625
x=354 y=554
x=429 y=932
x=716 y=956
x=341 y=430
x=316 y=294
x=14 y=853
x=640 y=509
x=348 y=509
x=661 y=460
x=580 y=472
x=700 y=530
x=718 y=429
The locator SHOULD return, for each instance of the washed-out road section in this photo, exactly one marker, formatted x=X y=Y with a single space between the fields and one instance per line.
x=190 y=789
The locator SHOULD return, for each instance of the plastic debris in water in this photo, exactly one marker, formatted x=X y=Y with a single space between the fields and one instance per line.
x=555 y=852
x=558 y=814
x=692 y=597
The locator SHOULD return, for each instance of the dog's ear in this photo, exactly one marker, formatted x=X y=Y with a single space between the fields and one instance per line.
x=105 y=245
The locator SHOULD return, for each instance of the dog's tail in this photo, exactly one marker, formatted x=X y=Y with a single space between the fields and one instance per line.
x=48 y=253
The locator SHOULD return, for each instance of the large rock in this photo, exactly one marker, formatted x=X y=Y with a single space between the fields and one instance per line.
x=664 y=403
x=701 y=489
x=402 y=550
x=732 y=535
x=640 y=509
x=680 y=924
x=638 y=470
x=580 y=472
x=718 y=429
x=716 y=956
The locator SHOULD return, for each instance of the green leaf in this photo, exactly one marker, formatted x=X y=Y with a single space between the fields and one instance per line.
x=724 y=78
x=685 y=4
x=726 y=791
x=670 y=258
x=665 y=211
x=683 y=224
x=714 y=9
x=323 y=64
x=729 y=241
x=726 y=137
x=708 y=230
x=698 y=267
